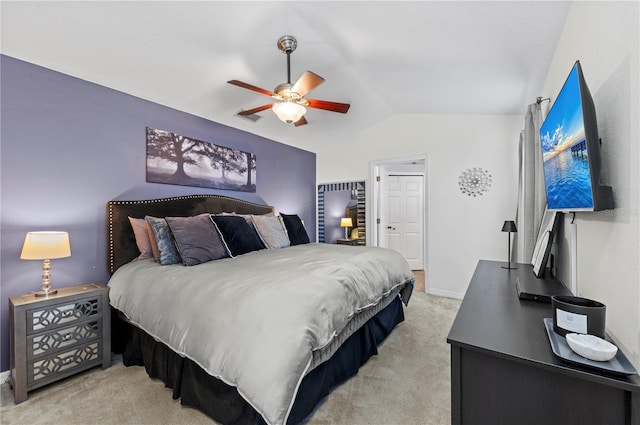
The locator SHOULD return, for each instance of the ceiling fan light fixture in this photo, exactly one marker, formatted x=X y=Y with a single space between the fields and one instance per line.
x=289 y=112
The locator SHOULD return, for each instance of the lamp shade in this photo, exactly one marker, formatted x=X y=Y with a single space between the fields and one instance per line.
x=346 y=222
x=509 y=226
x=289 y=112
x=45 y=246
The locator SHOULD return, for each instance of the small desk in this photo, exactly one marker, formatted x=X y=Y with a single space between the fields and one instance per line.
x=504 y=372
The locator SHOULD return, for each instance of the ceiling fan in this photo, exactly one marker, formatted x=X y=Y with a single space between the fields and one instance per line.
x=290 y=105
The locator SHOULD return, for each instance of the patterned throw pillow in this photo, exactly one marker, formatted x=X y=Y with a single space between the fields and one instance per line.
x=197 y=239
x=167 y=252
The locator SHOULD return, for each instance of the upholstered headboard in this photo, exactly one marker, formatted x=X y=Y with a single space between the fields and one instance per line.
x=121 y=243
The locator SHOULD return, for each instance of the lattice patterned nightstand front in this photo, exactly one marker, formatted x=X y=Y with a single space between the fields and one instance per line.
x=55 y=337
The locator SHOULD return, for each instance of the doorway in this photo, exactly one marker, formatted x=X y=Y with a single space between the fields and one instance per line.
x=399 y=206
x=402 y=216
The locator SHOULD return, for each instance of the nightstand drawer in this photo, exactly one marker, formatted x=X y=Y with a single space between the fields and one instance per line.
x=65 y=363
x=42 y=319
x=47 y=343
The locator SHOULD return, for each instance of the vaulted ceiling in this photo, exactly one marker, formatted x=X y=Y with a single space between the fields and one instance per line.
x=382 y=57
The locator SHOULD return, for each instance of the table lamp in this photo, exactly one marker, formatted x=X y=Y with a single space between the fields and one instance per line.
x=346 y=223
x=46 y=246
x=509 y=226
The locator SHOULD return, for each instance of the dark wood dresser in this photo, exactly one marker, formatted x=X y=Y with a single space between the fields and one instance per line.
x=503 y=370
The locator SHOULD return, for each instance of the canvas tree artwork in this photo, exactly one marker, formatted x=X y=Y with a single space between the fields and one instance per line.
x=179 y=160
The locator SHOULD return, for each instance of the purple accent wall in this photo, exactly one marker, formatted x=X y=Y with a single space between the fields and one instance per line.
x=68 y=146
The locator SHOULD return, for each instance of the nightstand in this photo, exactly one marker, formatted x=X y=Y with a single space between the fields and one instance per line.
x=343 y=241
x=55 y=337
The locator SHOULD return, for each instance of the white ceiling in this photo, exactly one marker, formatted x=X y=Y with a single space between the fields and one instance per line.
x=382 y=57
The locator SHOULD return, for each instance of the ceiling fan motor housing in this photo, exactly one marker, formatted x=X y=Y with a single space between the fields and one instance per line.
x=287 y=44
x=285 y=93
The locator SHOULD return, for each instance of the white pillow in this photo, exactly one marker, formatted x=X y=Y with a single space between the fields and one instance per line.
x=271 y=230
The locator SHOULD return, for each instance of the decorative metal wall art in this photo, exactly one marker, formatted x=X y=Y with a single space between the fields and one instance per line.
x=474 y=181
x=175 y=159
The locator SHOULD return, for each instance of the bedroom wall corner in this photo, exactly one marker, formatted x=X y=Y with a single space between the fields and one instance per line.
x=68 y=146
x=453 y=143
x=608 y=242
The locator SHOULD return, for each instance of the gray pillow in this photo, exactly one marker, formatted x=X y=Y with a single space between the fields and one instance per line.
x=271 y=230
x=167 y=252
x=197 y=239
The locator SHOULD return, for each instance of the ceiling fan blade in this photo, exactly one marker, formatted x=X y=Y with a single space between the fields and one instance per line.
x=306 y=83
x=251 y=87
x=328 y=106
x=301 y=121
x=256 y=109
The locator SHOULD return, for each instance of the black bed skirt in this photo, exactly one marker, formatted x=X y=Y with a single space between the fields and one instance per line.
x=222 y=402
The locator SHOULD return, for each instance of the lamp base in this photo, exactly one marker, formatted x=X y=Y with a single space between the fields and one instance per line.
x=45 y=293
x=509 y=267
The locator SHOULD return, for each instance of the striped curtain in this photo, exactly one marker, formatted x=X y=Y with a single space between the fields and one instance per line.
x=532 y=198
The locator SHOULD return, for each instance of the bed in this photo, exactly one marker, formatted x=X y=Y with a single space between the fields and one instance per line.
x=257 y=337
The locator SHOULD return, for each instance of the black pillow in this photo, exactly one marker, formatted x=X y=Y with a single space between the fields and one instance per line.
x=239 y=236
x=295 y=229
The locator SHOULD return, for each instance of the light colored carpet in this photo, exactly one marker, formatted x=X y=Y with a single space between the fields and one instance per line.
x=408 y=383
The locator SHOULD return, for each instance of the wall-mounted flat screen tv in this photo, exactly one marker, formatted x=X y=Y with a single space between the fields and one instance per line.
x=571 y=150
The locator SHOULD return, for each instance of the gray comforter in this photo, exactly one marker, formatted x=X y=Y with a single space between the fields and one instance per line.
x=254 y=321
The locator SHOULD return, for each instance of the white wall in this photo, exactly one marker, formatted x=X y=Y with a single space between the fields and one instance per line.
x=604 y=36
x=461 y=229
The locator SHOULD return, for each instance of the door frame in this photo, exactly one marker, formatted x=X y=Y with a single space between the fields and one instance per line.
x=377 y=168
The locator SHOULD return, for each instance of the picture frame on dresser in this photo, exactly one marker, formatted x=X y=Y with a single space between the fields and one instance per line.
x=544 y=241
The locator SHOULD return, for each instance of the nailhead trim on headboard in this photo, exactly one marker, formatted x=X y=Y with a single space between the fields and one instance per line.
x=111 y=205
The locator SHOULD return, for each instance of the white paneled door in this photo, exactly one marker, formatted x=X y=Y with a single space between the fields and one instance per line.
x=402 y=217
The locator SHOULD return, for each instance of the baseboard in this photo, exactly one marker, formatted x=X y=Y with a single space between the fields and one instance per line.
x=443 y=293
